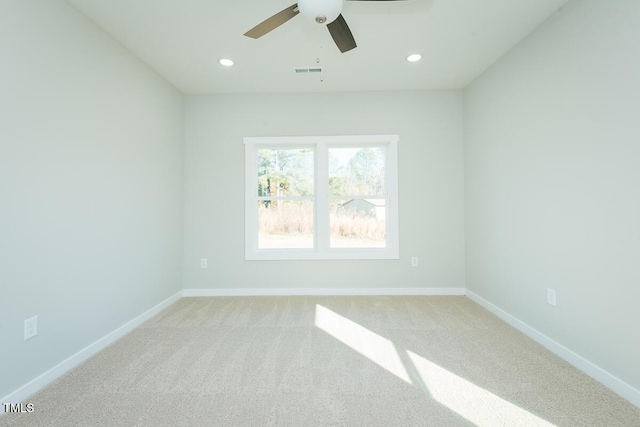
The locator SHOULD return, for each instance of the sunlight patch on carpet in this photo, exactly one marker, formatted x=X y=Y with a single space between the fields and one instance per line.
x=378 y=349
x=474 y=403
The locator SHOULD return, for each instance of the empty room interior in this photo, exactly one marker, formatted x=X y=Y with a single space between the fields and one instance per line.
x=213 y=217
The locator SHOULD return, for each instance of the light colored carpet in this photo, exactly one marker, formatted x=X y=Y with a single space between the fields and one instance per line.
x=316 y=361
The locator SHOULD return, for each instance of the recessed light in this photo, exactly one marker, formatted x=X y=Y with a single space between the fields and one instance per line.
x=414 y=58
x=226 y=62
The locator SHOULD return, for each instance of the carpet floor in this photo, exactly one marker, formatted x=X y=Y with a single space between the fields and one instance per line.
x=325 y=361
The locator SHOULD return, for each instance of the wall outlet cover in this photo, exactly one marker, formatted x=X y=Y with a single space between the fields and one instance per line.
x=30 y=327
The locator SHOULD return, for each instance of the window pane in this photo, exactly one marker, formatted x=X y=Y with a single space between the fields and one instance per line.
x=285 y=172
x=356 y=171
x=285 y=224
x=357 y=223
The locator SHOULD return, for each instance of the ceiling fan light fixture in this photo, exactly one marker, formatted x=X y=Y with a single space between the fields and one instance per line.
x=320 y=11
x=414 y=57
x=226 y=62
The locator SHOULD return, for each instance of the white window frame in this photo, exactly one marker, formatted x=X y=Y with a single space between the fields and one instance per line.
x=321 y=249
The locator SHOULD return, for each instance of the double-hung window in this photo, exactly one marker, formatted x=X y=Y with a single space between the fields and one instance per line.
x=325 y=197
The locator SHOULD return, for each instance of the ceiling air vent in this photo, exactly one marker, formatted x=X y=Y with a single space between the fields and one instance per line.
x=307 y=70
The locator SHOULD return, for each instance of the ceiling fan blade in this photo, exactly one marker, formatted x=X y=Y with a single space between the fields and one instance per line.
x=274 y=22
x=341 y=34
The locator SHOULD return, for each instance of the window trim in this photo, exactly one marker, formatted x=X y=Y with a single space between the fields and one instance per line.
x=321 y=249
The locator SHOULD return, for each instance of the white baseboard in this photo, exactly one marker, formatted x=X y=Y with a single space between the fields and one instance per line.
x=617 y=385
x=21 y=394
x=337 y=291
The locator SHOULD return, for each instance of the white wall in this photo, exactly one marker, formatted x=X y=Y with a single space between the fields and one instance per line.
x=553 y=182
x=430 y=185
x=91 y=196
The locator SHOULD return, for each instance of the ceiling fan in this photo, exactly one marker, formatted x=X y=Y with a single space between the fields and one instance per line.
x=324 y=12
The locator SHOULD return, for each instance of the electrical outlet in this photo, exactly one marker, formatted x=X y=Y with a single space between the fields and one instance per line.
x=30 y=327
x=551 y=297
x=203 y=263
x=414 y=261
